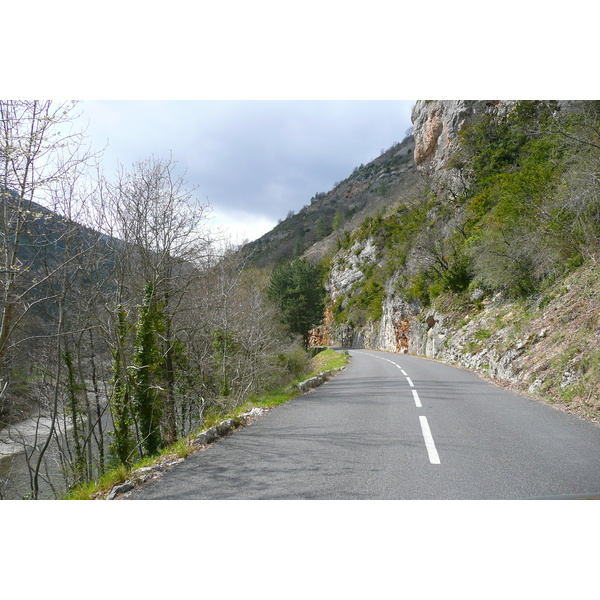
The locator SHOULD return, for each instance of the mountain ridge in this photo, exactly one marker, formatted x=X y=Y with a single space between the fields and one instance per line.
x=313 y=230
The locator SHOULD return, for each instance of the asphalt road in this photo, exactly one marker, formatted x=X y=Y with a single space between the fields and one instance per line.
x=396 y=427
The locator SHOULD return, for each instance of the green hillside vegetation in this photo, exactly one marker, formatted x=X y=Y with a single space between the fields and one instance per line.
x=525 y=227
x=529 y=213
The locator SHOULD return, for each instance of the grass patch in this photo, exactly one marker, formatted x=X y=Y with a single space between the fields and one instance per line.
x=327 y=360
x=473 y=347
x=482 y=334
x=324 y=361
x=86 y=491
x=91 y=489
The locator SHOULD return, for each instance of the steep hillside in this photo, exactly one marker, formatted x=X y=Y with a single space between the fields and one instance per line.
x=48 y=269
x=488 y=258
x=316 y=227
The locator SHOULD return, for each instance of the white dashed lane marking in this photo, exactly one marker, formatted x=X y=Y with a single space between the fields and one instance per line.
x=417 y=399
x=434 y=458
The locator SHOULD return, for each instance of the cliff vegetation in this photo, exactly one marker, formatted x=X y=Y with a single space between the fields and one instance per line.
x=490 y=259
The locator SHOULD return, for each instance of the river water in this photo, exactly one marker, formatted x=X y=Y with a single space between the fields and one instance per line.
x=26 y=438
x=15 y=441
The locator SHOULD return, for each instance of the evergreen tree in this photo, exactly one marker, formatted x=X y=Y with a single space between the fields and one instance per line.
x=296 y=289
x=147 y=362
x=123 y=445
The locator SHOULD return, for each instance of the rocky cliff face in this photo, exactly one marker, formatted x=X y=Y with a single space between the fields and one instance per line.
x=348 y=268
x=403 y=326
x=437 y=124
x=533 y=348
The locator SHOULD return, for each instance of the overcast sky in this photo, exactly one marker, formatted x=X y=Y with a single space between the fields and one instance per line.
x=253 y=161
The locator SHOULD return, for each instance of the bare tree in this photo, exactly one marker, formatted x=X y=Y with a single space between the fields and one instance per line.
x=240 y=329
x=164 y=240
x=37 y=150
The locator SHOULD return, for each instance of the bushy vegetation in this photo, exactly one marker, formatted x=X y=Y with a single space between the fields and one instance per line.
x=528 y=212
x=524 y=221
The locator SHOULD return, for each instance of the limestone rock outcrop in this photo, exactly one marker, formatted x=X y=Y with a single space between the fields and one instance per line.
x=400 y=329
x=404 y=327
x=437 y=124
x=349 y=268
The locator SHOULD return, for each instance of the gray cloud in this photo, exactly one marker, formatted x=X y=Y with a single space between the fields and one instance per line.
x=252 y=160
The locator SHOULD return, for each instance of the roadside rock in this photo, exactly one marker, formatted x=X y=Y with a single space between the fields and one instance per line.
x=313 y=382
x=226 y=427
x=120 y=489
x=206 y=437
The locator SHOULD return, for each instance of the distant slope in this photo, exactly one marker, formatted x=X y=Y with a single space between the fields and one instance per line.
x=317 y=226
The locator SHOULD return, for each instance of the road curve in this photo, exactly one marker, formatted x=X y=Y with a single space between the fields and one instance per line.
x=396 y=427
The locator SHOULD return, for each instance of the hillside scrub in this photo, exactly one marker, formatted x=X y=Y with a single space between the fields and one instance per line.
x=333 y=215
x=525 y=221
x=498 y=259
x=529 y=212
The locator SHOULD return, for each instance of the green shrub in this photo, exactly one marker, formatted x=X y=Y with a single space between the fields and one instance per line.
x=482 y=334
x=295 y=361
